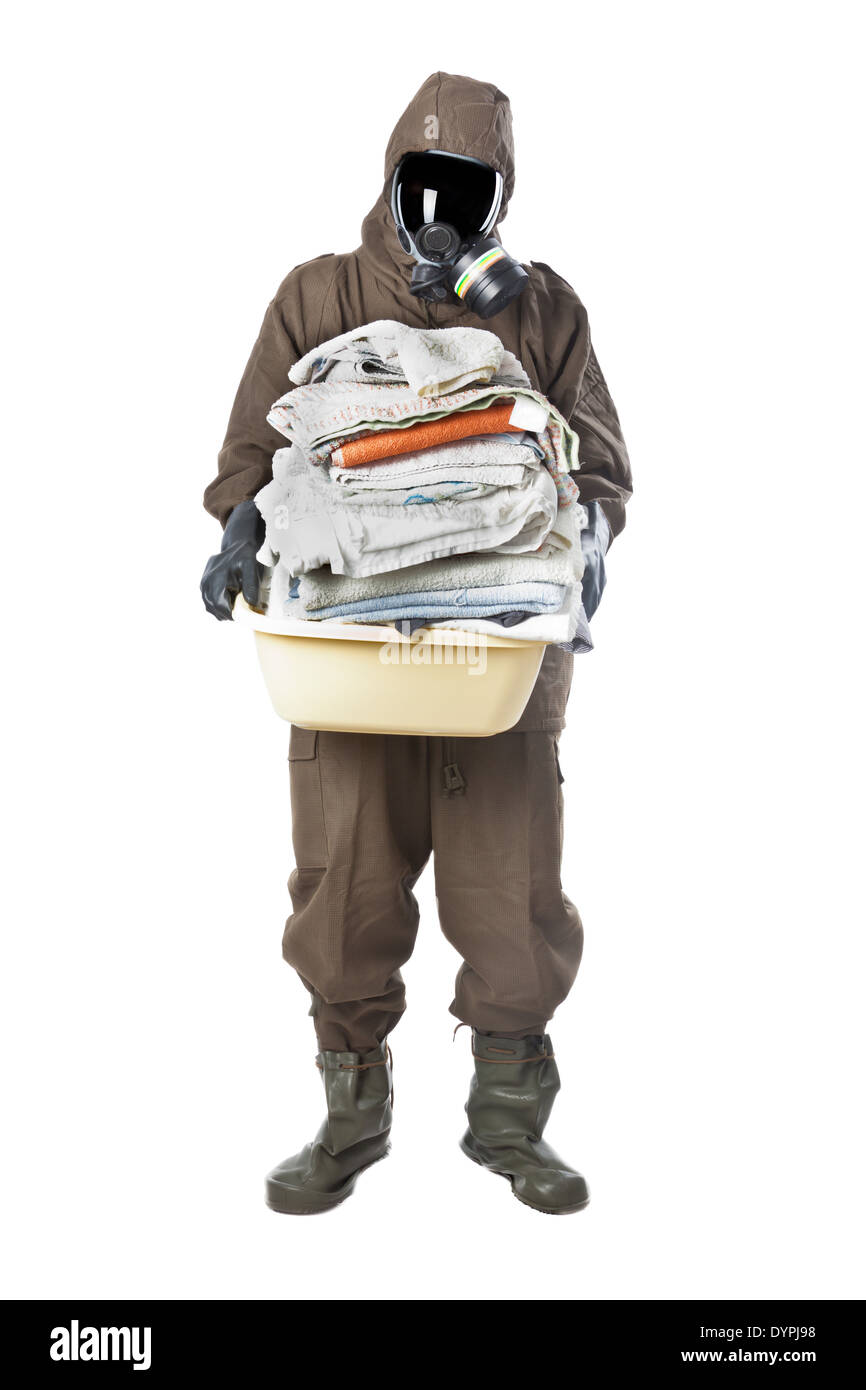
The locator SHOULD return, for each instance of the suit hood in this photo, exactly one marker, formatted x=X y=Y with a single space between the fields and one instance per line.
x=460 y=116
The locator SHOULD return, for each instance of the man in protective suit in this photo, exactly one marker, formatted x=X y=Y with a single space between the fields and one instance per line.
x=368 y=810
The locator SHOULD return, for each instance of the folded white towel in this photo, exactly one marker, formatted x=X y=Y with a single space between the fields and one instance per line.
x=322 y=589
x=438 y=360
x=311 y=523
x=433 y=360
x=480 y=459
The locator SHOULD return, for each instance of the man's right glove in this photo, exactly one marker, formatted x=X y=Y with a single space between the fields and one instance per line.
x=594 y=540
x=235 y=569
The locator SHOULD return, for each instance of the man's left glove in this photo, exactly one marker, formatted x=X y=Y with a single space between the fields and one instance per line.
x=594 y=540
x=235 y=569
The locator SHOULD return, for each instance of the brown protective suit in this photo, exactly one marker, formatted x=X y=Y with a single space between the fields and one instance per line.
x=368 y=810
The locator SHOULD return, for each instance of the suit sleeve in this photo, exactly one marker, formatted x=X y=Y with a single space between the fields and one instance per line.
x=560 y=345
x=605 y=469
x=245 y=460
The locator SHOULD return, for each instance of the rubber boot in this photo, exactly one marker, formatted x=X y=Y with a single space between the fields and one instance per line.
x=354 y=1135
x=510 y=1100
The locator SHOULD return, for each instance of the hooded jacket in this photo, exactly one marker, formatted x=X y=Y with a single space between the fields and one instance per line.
x=546 y=327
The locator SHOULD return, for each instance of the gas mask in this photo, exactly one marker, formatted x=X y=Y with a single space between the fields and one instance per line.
x=445 y=207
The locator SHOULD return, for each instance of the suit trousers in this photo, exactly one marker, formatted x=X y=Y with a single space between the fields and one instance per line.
x=368 y=810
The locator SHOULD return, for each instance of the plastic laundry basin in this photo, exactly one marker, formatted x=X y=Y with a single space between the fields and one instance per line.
x=370 y=680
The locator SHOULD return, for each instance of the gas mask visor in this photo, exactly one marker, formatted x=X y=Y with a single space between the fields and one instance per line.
x=445 y=207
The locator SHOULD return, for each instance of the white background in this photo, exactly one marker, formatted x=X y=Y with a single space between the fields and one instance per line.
x=695 y=173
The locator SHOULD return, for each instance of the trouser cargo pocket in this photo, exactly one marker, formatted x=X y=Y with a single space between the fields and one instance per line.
x=308 y=813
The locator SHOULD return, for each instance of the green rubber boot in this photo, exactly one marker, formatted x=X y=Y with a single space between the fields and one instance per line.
x=354 y=1135
x=510 y=1100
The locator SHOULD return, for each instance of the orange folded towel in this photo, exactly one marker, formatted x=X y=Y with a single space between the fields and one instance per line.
x=385 y=444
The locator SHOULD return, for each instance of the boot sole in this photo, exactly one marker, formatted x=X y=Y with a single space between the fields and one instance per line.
x=545 y=1211
x=326 y=1205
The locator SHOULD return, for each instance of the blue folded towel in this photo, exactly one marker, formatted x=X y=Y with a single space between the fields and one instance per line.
x=481 y=602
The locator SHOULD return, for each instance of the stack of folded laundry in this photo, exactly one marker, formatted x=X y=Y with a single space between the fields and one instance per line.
x=426 y=482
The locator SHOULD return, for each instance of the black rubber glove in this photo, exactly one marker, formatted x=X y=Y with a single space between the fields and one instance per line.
x=594 y=541
x=235 y=569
